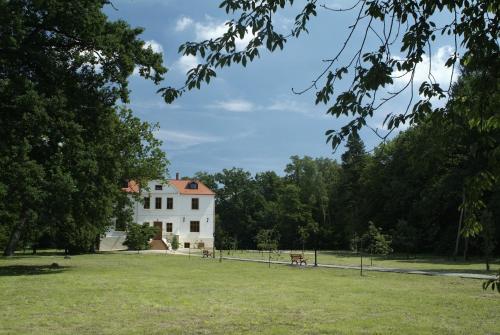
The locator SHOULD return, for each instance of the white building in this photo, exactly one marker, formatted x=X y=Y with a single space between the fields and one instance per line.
x=185 y=208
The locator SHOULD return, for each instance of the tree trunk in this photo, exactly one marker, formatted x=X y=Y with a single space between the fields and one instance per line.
x=15 y=236
x=460 y=220
x=361 y=257
x=97 y=243
x=361 y=266
x=466 y=247
x=487 y=262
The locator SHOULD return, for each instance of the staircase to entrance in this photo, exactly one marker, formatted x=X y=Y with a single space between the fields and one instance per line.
x=158 y=245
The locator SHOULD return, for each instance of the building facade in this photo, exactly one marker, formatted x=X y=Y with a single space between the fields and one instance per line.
x=182 y=208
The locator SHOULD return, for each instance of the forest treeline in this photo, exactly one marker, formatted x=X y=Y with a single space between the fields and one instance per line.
x=412 y=187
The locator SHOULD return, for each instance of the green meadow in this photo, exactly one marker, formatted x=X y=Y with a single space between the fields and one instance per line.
x=417 y=262
x=128 y=293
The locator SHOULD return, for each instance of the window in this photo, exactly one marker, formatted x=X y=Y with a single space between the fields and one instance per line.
x=158 y=203
x=192 y=185
x=170 y=203
x=146 y=203
x=187 y=245
x=158 y=187
x=169 y=227
x=194 y=227
x=195 y=203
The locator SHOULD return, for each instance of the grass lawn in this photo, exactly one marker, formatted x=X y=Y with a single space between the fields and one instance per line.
x=167 y=294
x=430 y=263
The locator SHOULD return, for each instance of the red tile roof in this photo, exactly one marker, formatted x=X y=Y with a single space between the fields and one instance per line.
x=180 y=185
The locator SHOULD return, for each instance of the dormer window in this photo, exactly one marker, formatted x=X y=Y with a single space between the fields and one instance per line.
x=158 y=187
x=192 y=185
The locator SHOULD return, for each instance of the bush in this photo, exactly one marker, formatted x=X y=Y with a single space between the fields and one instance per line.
x=175 y=242
x=375 y=242
x=138 y=236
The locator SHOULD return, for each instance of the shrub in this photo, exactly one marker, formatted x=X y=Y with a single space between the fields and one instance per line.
x=175 y=242
x=138 y=236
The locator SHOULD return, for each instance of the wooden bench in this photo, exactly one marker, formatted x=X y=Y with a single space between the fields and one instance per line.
x=298 y=259
x=206 y=253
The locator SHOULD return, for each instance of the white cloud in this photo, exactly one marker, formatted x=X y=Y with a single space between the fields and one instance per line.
x=285 y=104
x=187 y=62
x=210 y=29
x=178 y=140
x=183 y=23
x=234 y=105
x=154 y=45
x=440 y=73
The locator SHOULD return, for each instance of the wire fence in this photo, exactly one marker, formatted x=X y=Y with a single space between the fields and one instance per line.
x=349 y=258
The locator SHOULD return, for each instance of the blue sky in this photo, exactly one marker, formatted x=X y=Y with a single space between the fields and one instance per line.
x=248 y=117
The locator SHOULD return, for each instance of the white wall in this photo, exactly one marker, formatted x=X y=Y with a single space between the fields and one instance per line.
x=181 y=214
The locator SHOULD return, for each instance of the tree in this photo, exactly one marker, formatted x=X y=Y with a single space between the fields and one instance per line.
x=267 y=239
x=347 y=194
x=487 y=236
x=410 y=26
x=66 y=144
x=303 y=233
x=314 y=178
x=404 y=237
x=375 y=242
x=237 y=201
x=175 y=243
x=138 y=236
x=208 y=179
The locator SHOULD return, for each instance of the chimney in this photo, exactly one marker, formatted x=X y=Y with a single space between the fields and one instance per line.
x=177 y=176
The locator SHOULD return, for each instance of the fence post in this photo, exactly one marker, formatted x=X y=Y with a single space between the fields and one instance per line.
x=361 y=254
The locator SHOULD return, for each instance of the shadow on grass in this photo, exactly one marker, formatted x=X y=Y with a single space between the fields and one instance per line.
x=30 y=270
x=422 y=258
x=445 y=261
x=40 y=253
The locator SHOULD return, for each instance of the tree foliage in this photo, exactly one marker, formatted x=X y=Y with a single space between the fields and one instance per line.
x=138 y=236
x=175 y=242
x=375 y=242
x=267 y=239
x=409 y=26
x=67 y=141
x=493 y=283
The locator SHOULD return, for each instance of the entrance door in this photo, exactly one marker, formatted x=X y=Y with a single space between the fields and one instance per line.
x=159 y=226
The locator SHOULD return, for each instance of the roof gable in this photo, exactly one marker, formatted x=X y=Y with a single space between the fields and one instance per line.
x=184 y=187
